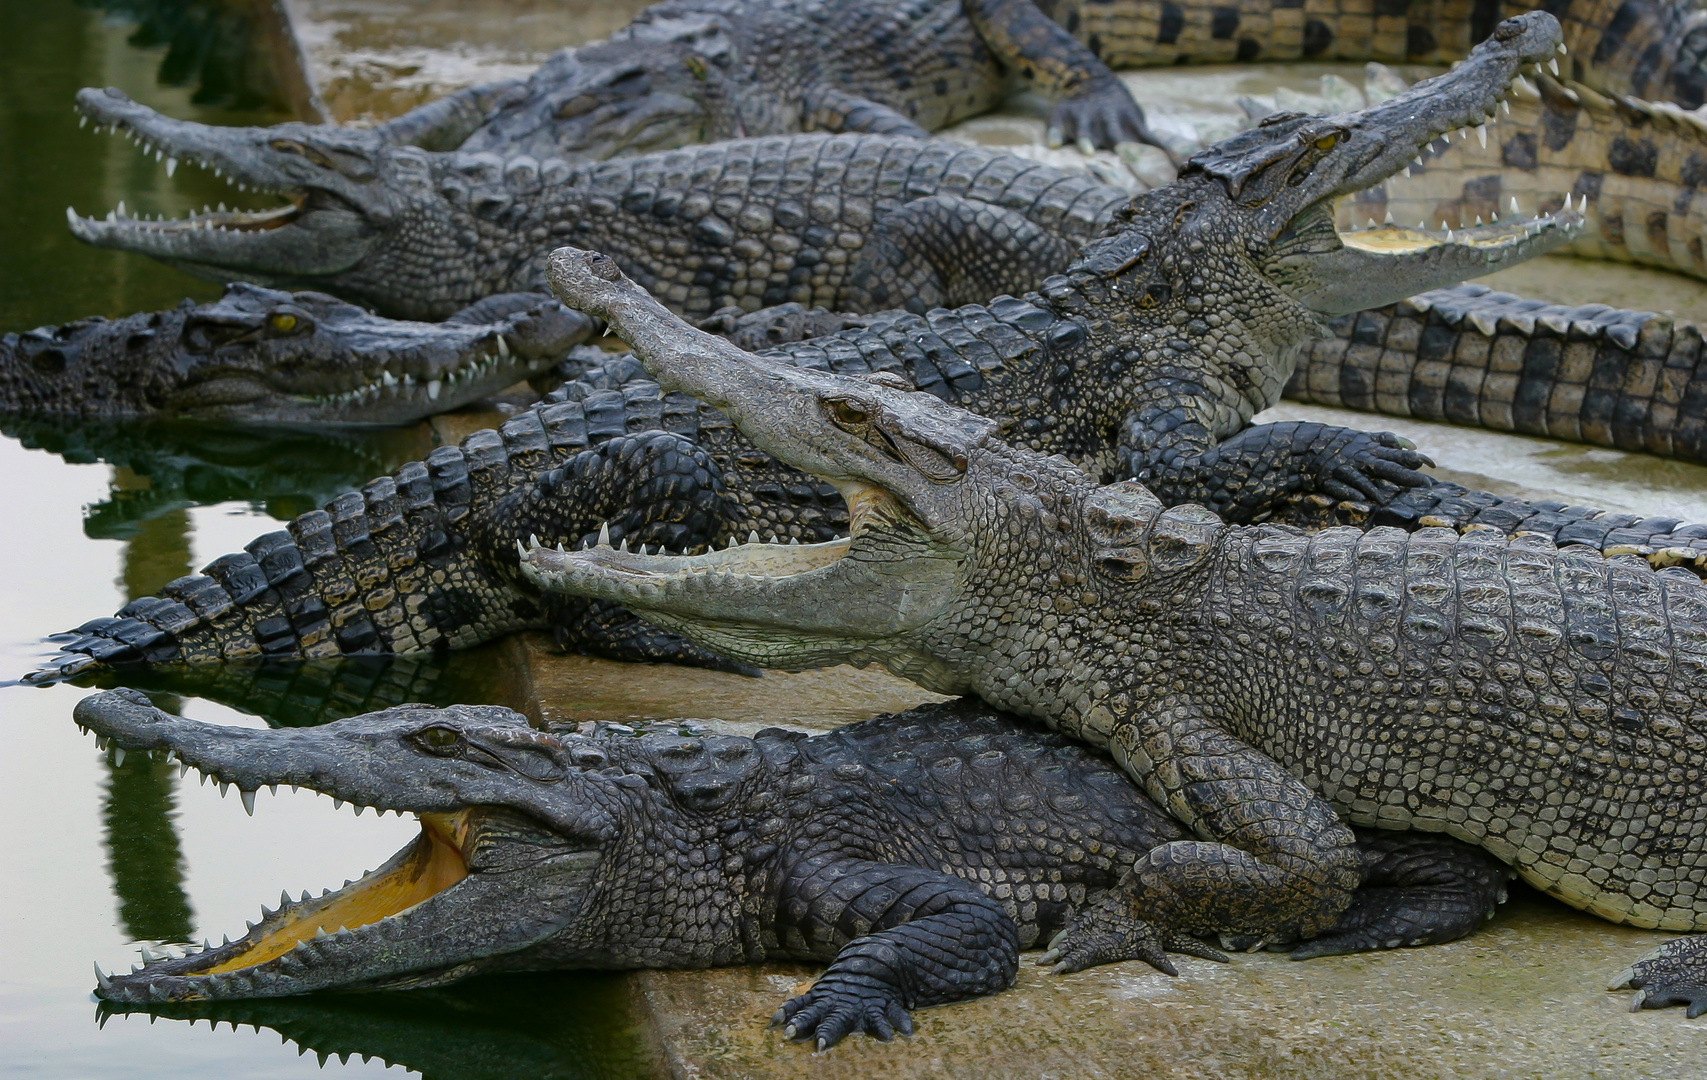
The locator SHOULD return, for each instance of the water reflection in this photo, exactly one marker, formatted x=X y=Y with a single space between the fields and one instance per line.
x=543 y=1027
x=144 y=855
x=307 y=693
x=233 y=53
x=162 y=469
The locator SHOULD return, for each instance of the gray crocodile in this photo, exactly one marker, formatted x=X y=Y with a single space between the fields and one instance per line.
x=262 y=356
x=1265 y=685
x=689 y=71
x=917 y=854
x=1158 y=381
x=846 y=222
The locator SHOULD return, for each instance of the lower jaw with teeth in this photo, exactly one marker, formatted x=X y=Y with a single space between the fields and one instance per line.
x=279 y=955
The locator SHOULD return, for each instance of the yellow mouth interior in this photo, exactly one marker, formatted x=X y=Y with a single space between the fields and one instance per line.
x=432 y=865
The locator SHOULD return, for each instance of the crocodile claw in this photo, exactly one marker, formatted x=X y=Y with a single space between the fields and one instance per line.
x=1103 y=116
x=1675 y=973
x=837 y=1007
x=1102 y=934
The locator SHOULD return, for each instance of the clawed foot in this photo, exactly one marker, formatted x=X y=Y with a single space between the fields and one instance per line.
x=1673 y=974
x=1102 y=935
x=1103 y=116
x=839 y=1004
x=1373 y=465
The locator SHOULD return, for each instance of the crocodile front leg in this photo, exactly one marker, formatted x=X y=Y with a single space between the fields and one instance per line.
x=1274 y=858
x=944 y=250
x=1169 y=445
x=903 y=938
x=1091 y=102
x=825 y=108
x=1418 y=889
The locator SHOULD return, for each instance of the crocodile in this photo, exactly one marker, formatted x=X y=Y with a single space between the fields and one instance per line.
x=1159 y=383
x=258 y=355
x=688 y=71
x=846 y=222
x=1469 y=355
x=915 y=853
x=1266 y=685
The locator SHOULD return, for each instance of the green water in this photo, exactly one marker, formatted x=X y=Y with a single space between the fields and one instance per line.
x=102 y=858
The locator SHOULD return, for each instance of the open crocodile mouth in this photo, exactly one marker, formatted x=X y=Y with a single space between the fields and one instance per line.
x=490 y=369
x=643 y=580
x=222 y=237
x=1505 y=233
x=311 y=942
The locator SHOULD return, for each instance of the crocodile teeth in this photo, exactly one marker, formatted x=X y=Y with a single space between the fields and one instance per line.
x=248 y=798
x=1553 y=66
x=433 y=390
x=604 y=534
x=1482 y=135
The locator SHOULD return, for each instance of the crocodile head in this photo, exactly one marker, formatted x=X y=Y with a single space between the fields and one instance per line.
x=518 y=866
x=1261 y=204
x=362 y=215
x=262 y=356
x=934 y=499
x=663 y=84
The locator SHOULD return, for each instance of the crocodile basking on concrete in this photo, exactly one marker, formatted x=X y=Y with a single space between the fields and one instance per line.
x=1265 y=685
x=847 y=222
x=917 y=854
x=1159 y=382
x=261 y=356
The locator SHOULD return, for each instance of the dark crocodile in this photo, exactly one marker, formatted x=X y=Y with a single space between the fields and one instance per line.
x=262 y=356
x=917 y=854
x=1266 y=685
x=1468 y=355
x=847 y=222
x=1153 y=373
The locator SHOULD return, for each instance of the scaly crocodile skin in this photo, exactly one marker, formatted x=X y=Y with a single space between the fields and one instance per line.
x=916 y=853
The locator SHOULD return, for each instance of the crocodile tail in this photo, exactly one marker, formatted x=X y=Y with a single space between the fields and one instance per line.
x=1466 y=355
x=392 y=568
x=1660 y=541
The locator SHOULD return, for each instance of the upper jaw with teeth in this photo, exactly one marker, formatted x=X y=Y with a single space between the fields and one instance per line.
x=429 y=909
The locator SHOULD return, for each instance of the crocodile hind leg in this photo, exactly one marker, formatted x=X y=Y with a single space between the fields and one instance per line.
x=944 y=250
x=1673 y=974
x=1275 y=859
x=1174 y=453
x=1418 y=889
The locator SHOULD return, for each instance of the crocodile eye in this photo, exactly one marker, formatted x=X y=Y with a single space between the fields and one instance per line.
x=439 y=738
x=847 y=414
x=1327 y=142
x=695 y=65
x=282 y=322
